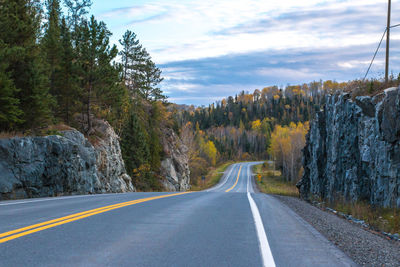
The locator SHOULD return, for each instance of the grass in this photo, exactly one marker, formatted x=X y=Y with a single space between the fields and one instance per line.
x=382 y=219
x=212 y=177
x=272 y=181
x=45 y=131
x=378 y=218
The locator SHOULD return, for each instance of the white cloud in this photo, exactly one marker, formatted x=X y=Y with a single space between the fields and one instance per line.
x=182 y=30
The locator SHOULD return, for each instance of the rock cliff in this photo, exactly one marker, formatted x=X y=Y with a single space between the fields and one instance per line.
x=62 y=165
x=175 y=165
x=353 y=150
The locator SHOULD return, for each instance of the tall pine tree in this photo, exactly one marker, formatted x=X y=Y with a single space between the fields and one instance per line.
x=22 y=55
x=52 y=46
x=10 y=113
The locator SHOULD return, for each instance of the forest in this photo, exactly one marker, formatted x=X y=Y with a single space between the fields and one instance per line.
x=59 y=69
x=270 y=123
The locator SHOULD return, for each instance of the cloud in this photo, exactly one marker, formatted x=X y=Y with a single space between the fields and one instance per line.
x=152 y=18
x=212 y=49
x=219 y=77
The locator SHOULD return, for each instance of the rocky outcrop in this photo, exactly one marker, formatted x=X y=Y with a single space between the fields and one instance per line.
x=175 y=166
x=109 y=162
x=353 y=150
x=62 y=165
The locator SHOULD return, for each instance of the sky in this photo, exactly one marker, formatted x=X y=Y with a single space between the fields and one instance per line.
x=211 y=49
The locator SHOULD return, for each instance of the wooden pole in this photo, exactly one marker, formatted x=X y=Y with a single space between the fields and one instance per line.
x=387 y=43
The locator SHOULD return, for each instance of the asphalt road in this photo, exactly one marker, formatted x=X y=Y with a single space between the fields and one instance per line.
x=228 y=225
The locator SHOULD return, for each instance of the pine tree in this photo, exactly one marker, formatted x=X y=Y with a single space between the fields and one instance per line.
x=10 y=113
x=69 y=92
x=52 y=46
x=98 y=75
x=77 y=9
x=152 y=77
x=130 y=56
x=134 y=146
x=25 y=66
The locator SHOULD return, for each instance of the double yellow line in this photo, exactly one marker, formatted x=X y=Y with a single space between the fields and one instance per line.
x=10 y=235
x=237 y=179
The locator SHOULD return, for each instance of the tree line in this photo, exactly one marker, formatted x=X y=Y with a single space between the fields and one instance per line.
x=266 y=124
x=58 y=67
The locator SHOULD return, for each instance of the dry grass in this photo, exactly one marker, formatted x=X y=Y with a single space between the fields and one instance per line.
x=212 y=177
x=7 y=135
x=49 y=130
x=55 y=129
x=273 y=183
x=383 y=219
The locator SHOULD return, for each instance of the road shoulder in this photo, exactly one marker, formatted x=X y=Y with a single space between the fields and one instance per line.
x=364 y=247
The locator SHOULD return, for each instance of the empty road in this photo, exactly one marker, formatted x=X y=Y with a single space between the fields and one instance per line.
x=228 y=225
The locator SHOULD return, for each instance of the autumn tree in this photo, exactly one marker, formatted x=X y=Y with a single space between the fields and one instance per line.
x=286 y=145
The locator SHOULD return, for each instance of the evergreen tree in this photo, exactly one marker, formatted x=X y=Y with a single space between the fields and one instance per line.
x=10 y=113
x=134 y=147
x=152 y=78
x=140 y=73
x=69 y=92
x=52 y=45
x=131 y=55
x=98 y=75
x=25 y=66
x=77 y=9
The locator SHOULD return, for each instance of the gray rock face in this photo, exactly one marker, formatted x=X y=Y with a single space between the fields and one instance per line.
x=353 y=150
x=110 y=165
x=175 y=166
x=61 y=165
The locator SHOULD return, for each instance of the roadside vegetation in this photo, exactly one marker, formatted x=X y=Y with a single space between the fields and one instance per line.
x=378 y=218
x=213 y=176
x=272 y=181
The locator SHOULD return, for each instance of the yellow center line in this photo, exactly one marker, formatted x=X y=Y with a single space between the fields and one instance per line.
x=73 y=217
x=237 y=179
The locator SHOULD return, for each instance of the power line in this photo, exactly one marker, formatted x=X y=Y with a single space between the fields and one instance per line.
x=376 y=51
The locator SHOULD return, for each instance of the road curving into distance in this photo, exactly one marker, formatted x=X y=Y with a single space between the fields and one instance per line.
x=228 y=225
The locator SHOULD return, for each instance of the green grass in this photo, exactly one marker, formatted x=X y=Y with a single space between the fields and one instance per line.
x=212 y=177
x=272 y=182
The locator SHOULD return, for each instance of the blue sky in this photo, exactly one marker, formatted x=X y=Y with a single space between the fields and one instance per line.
x=210 y=49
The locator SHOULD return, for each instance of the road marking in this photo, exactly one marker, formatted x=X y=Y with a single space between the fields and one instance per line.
x=266 y=254
x=248 y=178
x=10 y=235
x=237 y=179
x=224 y=182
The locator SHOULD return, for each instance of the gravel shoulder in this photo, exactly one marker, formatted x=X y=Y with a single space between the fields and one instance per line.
x=364 y=247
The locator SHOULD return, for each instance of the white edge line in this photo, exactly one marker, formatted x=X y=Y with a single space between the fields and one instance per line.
x=40 y=200
x=59 y=198
x=266 y=254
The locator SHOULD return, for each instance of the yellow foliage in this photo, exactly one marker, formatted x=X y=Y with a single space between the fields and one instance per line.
x=286 y=145
x=256 y=125
x=210 y=151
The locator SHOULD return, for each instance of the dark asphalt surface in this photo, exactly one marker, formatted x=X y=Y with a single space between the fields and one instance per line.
x=208 y=228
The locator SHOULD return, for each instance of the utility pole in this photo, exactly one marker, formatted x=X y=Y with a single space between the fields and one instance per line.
x=387 y=42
